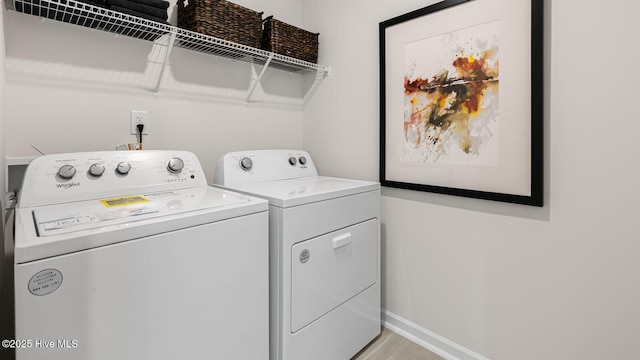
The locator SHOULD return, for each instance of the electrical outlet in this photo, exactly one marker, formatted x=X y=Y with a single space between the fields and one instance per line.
x=137 y=118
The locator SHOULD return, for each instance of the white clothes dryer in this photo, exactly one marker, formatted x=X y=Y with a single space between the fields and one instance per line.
x=324 y=252
x=131 y=255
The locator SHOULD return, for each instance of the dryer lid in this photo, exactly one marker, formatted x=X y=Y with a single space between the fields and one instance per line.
x=299 y=191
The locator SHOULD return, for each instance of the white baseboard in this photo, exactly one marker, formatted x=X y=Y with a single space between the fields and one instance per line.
x=428 y=339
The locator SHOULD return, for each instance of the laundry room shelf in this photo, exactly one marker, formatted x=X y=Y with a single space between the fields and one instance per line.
x=87 y=15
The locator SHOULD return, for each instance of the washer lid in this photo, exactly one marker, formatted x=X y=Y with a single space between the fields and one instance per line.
x=299 y=191
x=63 y=228
x=100 y=213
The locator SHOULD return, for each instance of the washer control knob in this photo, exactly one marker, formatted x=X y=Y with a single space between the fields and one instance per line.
x=292 y=161
x=96 y=170
x=66 y=172
x=246 y=164
x=302 y=160
x=123 y=168
x=175 y=165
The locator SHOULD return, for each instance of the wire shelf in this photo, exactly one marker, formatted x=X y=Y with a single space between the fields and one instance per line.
x=87 y=15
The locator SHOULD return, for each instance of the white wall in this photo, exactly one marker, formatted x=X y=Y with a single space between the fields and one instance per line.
x=506 y=281
x=72 y=89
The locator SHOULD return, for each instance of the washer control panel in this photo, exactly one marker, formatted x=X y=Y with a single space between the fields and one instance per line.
x=263 y=165
x=59 y=178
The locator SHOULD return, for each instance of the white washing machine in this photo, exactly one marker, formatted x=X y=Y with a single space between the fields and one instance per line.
x=324 y=252
x=131 y=255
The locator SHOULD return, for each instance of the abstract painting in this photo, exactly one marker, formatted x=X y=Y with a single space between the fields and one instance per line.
x=451 y=85
x=461 y=100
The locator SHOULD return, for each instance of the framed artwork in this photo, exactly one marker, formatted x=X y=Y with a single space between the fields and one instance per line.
x=461 y=100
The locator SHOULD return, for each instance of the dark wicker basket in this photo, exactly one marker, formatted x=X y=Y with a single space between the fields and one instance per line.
x=221 y=19
x=284 y=39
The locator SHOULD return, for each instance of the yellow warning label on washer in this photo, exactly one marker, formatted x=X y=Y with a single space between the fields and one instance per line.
x=124 y=200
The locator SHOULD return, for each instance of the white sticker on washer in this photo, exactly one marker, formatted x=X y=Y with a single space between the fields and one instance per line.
x=45 y=282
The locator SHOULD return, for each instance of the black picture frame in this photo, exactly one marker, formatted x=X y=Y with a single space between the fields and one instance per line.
x=513 y=172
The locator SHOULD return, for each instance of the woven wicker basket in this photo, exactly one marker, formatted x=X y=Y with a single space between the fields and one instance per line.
x=221 y=19
x=284 y=39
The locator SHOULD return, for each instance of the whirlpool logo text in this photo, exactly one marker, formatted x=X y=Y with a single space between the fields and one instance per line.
x=68 y=185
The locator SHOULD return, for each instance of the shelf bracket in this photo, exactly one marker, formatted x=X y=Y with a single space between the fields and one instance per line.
x=256 y=81
x=320 y=76
x=165 y=62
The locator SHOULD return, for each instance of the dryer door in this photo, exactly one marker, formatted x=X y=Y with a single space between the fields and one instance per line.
x=331 y=269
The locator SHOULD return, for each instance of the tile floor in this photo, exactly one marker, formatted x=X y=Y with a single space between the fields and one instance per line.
x=391 y=346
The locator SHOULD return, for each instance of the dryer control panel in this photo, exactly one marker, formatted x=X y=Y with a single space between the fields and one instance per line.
x=60 y=178
x=244 y=167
